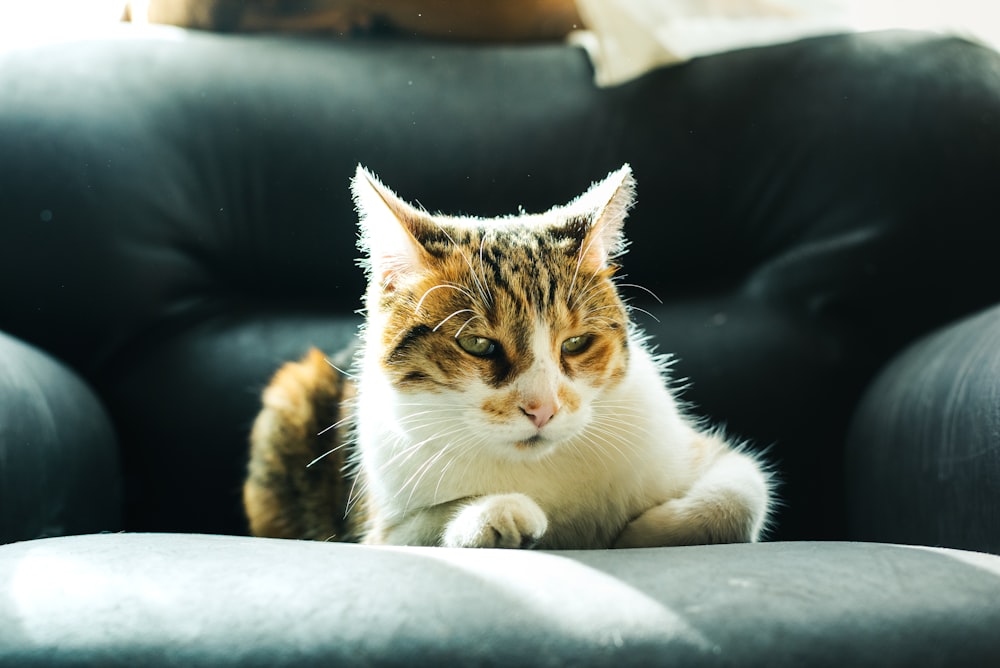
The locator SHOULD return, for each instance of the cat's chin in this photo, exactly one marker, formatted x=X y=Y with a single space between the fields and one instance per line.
x=532 y=448
x=533 y=444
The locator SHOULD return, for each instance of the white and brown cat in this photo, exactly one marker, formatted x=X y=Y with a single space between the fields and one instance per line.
x=501 y=398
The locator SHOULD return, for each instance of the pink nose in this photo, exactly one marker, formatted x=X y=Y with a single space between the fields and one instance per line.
x=539 y=414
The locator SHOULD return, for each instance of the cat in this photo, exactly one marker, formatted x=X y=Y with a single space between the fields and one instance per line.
x=502 y=398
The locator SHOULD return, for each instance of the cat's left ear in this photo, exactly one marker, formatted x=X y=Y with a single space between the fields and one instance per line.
x=604 y=206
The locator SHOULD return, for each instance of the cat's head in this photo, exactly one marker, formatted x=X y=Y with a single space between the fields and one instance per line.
x=504 y=331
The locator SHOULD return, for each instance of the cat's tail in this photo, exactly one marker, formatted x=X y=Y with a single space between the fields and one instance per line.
x=296 y=486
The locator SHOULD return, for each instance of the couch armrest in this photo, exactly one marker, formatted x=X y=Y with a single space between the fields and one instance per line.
x=924 y=446
x=59 y=471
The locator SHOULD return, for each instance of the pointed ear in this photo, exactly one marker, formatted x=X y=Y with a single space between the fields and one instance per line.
x=387 y=231
x=604 y=206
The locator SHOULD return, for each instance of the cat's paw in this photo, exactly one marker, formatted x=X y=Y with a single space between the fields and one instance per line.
x=687 y=521
x=503 y=520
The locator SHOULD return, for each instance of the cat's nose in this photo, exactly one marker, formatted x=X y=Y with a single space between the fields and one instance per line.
x=540 y=413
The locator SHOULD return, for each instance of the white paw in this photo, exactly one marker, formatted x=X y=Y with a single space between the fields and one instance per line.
x=503 y=520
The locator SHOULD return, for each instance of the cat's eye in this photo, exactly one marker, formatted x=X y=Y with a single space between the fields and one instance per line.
x=575 y=345
x=478 y=346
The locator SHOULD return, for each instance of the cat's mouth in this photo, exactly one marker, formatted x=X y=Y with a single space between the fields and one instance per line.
x=529 y=443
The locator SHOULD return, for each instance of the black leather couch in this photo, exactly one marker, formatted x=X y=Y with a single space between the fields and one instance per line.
x=821 y=223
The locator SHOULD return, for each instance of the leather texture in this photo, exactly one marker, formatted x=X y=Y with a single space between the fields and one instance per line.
x=59 y=461
x=932 y=418
x=187 y=600
x=174 y=211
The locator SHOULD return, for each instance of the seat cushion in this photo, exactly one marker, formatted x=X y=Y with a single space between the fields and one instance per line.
x=204 y=600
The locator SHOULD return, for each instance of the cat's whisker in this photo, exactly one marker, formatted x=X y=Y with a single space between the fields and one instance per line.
x=642 y=310
x=482 y=265
x=356 y=493
x=592 y=446
x=581 y=303
x=598 y=321
x=606 y=307
x=421 y=418
x=601 y=441
x=414 y=480
x=417 y=426
x=461 y=450
x=339 y=370
x=410 y=450
x=640 y=287
x=417 y=476
x=458 y=450
x=622 y=417
x=404 y=454
x=452 y=286
x=469 y=461
x=591 y=285
x=483 y=291
x=336 y=424
x=418 y=404
x=464 y=310
x=628 y=404
x=581 y=254
x=464 y=324
x=326 y=454
x=631 y=422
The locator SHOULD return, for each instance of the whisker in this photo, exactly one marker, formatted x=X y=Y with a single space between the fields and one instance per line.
x=640 y=287
x=328 y=452
x=482 y=264
x=642 y=310
x=600 y=439
x=461 y=450
x=579 y=263
x=412 y=449
x=587 y=288
x=416 y=479
x=352 y=497
x=459 y=332
x=336 y=424
x=339 y=370
x=464 y=310
x=420 y=302
x=479 y=284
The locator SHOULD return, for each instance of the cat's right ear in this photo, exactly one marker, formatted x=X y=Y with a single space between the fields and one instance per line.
x=388 y=225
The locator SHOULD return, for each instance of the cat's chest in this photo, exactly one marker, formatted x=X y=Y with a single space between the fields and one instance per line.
x=586 y=500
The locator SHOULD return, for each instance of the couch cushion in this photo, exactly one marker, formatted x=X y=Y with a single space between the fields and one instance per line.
x=200 y=600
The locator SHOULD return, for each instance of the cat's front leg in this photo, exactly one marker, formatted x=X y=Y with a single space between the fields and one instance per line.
x=683 y=522
x=728 y=504
x=500 y=520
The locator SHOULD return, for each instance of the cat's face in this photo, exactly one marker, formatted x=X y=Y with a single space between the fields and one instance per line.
x=501 y=333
